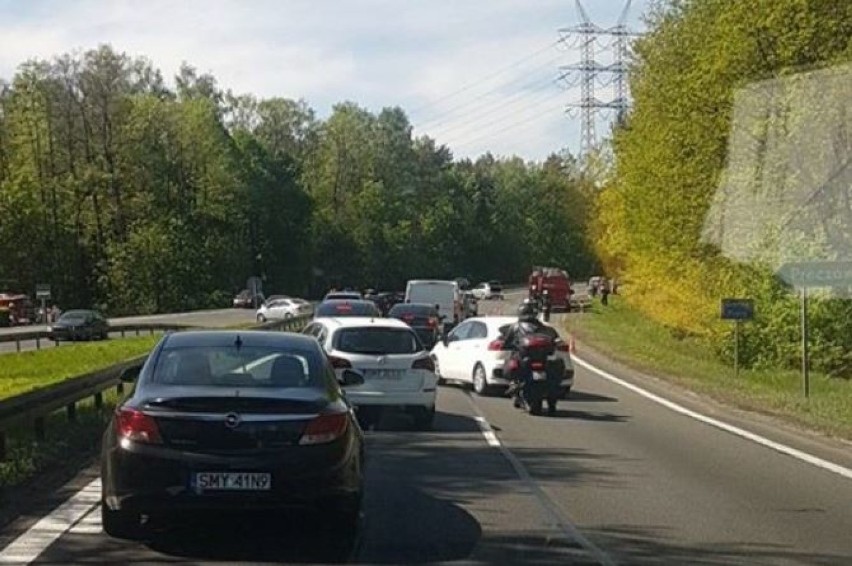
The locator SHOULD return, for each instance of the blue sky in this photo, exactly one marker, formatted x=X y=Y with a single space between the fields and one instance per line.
x=477 y=75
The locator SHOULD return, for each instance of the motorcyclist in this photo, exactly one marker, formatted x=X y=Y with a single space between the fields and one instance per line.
x=528 y=323
x=546 y=305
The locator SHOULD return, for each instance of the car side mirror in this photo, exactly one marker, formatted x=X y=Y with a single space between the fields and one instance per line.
x=130 y=374
x=350 y=377
x=445 y=339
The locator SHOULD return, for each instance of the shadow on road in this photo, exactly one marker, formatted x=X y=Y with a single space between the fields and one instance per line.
x=651 y=546
x=589 y=416
x=586 y=397
x=397 y=421
x=249 y=537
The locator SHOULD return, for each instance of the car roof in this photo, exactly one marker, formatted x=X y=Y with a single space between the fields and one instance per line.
x=360 y=321
x=196 y=338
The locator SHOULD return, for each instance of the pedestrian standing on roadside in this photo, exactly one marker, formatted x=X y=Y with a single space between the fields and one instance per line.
x=604 y=292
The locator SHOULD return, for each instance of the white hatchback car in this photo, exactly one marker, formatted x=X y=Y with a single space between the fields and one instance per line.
x=473 y=354
x=398 y=370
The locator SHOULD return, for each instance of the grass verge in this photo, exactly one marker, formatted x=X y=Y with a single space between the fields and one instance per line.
x=68 y=446
x=25 y=371
x=630 y=338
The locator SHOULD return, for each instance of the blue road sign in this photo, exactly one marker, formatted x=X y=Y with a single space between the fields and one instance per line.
x=737 y=309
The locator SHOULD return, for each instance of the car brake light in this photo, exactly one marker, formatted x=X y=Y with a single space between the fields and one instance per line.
x=537 y=365
x=424 y=363
x=324 y=429
x=408 y=317
x=339 y=363
x=135 y=425
x=495 y=345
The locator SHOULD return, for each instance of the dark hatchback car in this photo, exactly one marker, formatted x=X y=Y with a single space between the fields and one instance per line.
x=79 y=325
x=346 y=307
x=228 y=420
x=422 y=318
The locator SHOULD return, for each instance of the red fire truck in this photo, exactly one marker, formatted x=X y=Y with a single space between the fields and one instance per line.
x=17 y=309
x=557 y=283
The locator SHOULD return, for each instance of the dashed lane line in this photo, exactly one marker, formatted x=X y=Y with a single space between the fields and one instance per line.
x=551 y=510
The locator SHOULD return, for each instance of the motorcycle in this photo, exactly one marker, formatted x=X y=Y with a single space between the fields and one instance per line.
x=536 y=374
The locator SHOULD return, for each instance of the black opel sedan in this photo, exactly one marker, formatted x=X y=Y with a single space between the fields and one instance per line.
x=223 y=420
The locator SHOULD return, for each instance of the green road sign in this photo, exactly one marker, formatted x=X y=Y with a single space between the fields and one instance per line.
x=817 y=273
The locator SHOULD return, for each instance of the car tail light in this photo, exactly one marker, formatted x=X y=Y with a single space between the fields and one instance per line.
x=563 y=347
x=432 y=322
x=513 y=364
x=495 y=345
x=537 y=365
x=339 y=363
x=424 y=363
x=408 y=317
x=135 y=425
x=324 y=429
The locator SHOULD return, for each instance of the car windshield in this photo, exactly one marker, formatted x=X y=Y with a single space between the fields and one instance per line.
x=347 y=308
x=373 y=340
x=74 y=315
x=245 y=367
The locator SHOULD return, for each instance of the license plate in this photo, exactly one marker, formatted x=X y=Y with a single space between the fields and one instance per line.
x=389 y=374
x=539 y=376
x=232 y=481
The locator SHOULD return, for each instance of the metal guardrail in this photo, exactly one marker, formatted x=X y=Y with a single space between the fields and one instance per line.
x=34 y=406
x=44 y=336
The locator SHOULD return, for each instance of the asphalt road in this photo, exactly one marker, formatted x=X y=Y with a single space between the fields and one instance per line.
x=613 y=478
x=209 y=318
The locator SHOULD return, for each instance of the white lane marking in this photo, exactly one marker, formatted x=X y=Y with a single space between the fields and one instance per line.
x=551 y=510
x=27 y=547
x=487 y=432
x=90 y=524
x=763 y=441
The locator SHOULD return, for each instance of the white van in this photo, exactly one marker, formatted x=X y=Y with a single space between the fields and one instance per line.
x=445 y=294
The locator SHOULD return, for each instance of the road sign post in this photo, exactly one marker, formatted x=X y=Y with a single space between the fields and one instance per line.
x=807 y=274
x=806 y=376
x=737 y=310
x=43 y=294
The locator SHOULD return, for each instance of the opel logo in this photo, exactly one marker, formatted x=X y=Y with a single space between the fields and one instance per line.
x=232 y=420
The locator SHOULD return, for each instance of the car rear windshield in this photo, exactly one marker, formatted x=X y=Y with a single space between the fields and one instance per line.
x=246 y=367
x=419 y=310
x=347 y=308
x=379 y=341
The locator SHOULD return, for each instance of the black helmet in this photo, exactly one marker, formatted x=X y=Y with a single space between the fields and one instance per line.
x=527 y=311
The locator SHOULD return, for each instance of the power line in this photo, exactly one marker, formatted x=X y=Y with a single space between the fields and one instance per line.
x=525 y=121
x=522 y=97
x=480 y=80
x=498 y=88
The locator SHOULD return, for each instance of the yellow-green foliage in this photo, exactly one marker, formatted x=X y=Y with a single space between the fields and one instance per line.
x=672 y=149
